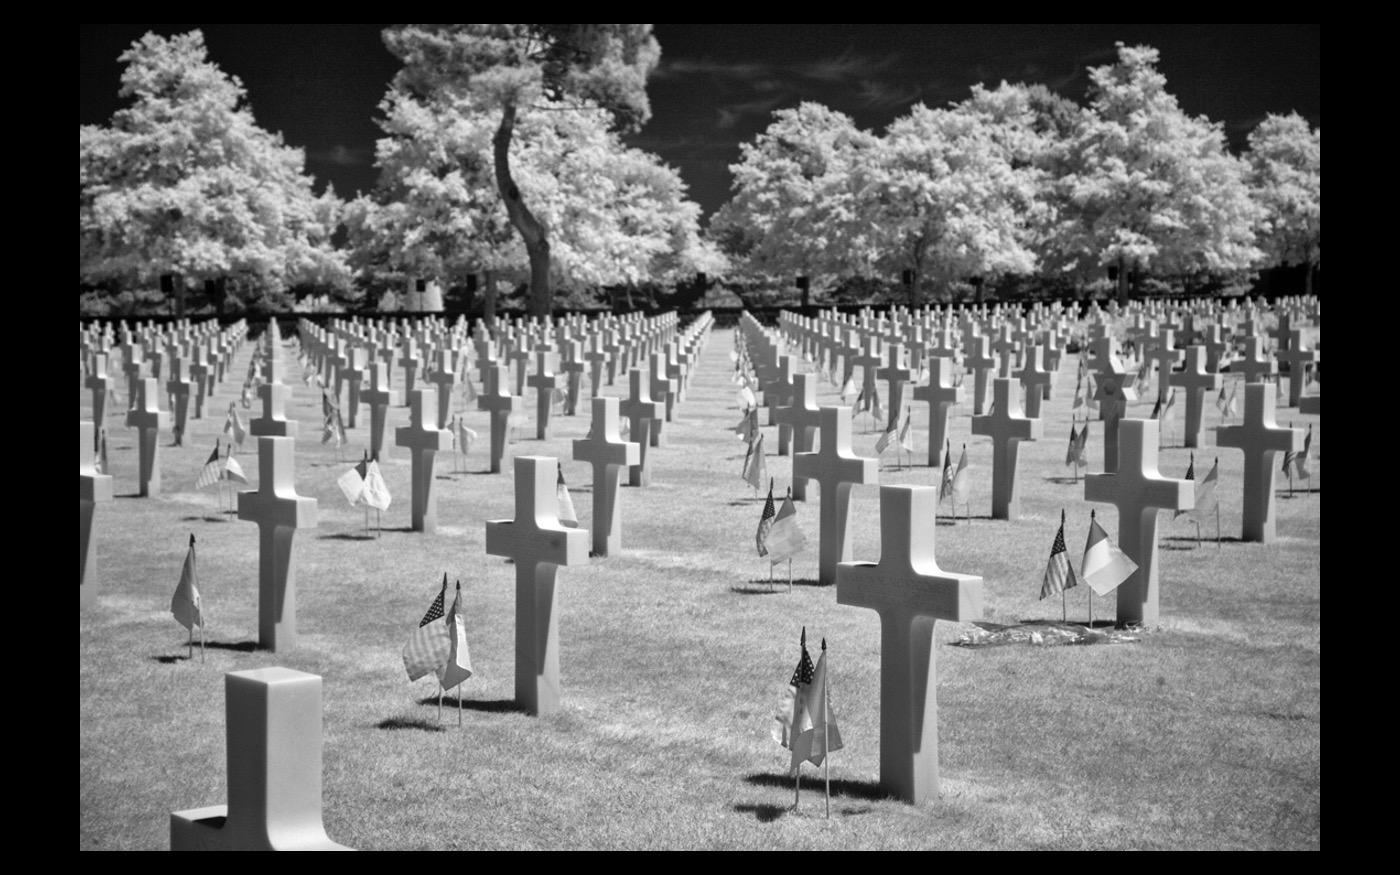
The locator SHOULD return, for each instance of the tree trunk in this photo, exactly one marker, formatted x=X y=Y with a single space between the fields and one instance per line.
x=488 y=300
x=1122 y=281
x=1308 y=278
x=531 y=231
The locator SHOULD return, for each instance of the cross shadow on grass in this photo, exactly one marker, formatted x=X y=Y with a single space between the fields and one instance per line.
x=206 y=518
x=761 y=585
x=409 y=723
x=763 y=812
x=346 y=536
x=1206 y=540
x=238 y=646
x=839 y=786
x=487 y=706
x=1065 y=481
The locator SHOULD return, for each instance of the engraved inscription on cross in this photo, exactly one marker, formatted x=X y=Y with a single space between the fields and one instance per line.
x=1007 y=428
x=1262 y=439
x=279 y=513
x=273 y=744
x=608 y=453
x=1139 y=491
x=836 y=469
x=538 y=544
x=423 y=441
x=910 y=593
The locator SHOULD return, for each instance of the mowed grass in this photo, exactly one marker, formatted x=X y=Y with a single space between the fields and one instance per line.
x=1206 y=734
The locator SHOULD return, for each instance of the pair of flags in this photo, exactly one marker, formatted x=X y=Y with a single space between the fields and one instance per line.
x=1161 y=411
x=748 y=426
x=778 y=536
x=233 y=425
x=1103 y=567
x=214 y=471
x=1225 y=405
x=439 y=644
x=805 y=721
x=906 y=441
x=954 y=483
x=1206 y=500
x=365 y=484
x=334 y=425
x=1078 y=442
x=464 y=436
x=1299 y=460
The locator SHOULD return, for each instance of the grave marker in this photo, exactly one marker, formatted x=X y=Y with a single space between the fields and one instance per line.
x=641 y=412
x=273 y=743
x=1196 y=380
x=544 y=382
x=1007 y=428
x=538 y=544
x=380 y=398
x=910 y=593
x=148 y=419
x=941 y=394
x=608 y=453
x=1261 y=439
x=501 y=404
x=279 y=513
x=835 y=468
x=423 y=441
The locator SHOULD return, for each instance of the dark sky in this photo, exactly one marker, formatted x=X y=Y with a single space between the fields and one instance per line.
x=718 y=84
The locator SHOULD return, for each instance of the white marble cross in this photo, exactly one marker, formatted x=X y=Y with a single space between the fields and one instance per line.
x=544 y=382
x=835 y=468
x=608 y=453
x=801 y=417
x=1196 y=379
x=273 y=743
x=1007 y=428
x=274 y=394
x=279 y=513
x=642 y=413
x=538 y=544
x=941 y=394
x=1139 y=491
x=910 y=593
x=424 y=441
x=148 y=419
x=501 y=404
x=380 y=398
x=1262 y=439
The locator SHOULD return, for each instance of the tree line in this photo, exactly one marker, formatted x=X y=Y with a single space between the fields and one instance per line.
x=502 y=166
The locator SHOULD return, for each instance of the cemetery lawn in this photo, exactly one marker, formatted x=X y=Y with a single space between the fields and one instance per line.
x=1204 y=734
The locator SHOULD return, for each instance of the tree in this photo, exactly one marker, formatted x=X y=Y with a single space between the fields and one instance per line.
x=507 y=67
x=944 y=200
x=794 y=207
x=615 y=215
x=1154 y=188
x=184 y=182
x=1285 y=159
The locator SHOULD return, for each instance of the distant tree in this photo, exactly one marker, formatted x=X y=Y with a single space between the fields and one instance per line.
x=794 y=211
x=1152 y=187
x=183 y=182
x=614 y=215
x=1285 y=160
x=944 y=200
x=507 y=68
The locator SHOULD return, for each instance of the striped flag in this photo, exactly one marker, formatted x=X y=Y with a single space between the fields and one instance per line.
x=1301 y=460
x=884 y=442
x=209 y=474
x=1190 y=475
x=765 y=522
x=945 y=487
x=755 y=468
x=185 y=604
x=1104 y=565
x=961 y=480
x=458 y=666
x=1084 y=444
x=232 y=470
x=430 y=645
x=233 y=424
x=785 y=539
x=1059 y=573
x=567 y=516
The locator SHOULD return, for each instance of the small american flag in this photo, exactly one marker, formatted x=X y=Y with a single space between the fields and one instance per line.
x=802 y=675
x=430 y=645
x=1059 y=573
x=209 y=475
x=765 y=522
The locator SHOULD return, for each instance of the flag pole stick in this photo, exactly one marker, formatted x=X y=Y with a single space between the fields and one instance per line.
x=190 y=642
x=1198 y=532
x=797 y=788
x=1091 y=607
x=826 y=739
x=1064 y=606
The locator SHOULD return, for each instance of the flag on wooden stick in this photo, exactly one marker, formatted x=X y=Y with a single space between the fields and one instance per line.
x=185 y=604
x=376 y=493
x=765 y=522
x=429 y=646
x=785 y=539
x=458 y=666
x=1104 y=565
x=755 y=468
x=209 y=474
x=1059 y=573
x=232 y=470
